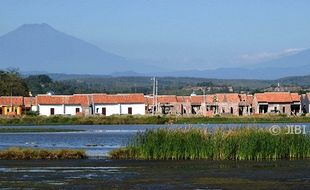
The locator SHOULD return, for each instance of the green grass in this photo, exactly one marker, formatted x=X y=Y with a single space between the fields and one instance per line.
x=126 y=119
x=16 y=153
x=36 y=130
x=221 y=144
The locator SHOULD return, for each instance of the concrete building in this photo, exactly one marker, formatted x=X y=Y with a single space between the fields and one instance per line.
x=277 y=103
x=118 y=104
x=11 y=105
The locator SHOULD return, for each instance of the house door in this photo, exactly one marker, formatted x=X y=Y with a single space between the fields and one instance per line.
x=130 y=110
x=52 y=111
x=77 y=110
x=104 y=111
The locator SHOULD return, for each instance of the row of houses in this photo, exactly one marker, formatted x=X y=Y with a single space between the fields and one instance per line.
x=139 y=104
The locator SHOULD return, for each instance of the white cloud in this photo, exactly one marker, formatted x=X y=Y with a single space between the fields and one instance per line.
x=266 y=56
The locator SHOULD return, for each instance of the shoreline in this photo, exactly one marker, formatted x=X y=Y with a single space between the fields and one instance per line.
x=140 y=120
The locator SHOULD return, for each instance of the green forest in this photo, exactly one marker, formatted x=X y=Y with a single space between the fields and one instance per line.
x=13 y=83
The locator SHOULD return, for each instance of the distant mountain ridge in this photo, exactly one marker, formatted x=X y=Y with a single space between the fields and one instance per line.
x=40 y=46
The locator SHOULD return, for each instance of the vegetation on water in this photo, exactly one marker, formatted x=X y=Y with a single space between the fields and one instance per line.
x=147 y=119
x=16 y=153
x=220 y=144
x=36 y=130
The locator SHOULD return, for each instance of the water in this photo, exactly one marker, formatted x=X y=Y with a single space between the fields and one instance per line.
x=96 y=140
x=113 y=174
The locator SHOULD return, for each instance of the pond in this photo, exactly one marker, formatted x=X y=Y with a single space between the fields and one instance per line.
x=99 y=172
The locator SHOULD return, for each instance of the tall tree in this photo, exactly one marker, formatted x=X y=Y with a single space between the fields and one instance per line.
x=11 y=83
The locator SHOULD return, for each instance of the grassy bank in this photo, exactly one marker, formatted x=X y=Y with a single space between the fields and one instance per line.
x=38 y=154
x=125 y=119
x=230 y=144
x=36 y=130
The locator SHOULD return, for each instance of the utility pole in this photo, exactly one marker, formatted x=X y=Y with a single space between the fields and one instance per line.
x=156 y=100
x=154 y=88
x=11 y=99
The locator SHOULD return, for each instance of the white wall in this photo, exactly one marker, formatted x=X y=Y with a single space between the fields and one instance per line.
x=71 y=109
x=111 y=109
x=46 y=109
x=34 y=108
x=117 y=109
x=137 y=109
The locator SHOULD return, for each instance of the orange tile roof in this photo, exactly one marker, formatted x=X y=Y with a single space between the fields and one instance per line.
x=51 y=99
x=118 y=98
x=197 y=99
x=30 y=101
x=183 y=99
x=276 y=97
x=78 y=99
x=14 y=100
x=167 y=99
x=295 y=97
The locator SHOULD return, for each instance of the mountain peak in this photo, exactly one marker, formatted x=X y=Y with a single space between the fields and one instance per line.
x=41 y=47
x=41 y=26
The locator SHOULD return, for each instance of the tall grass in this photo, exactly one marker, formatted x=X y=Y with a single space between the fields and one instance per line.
x=16 y=153
x=221 y=144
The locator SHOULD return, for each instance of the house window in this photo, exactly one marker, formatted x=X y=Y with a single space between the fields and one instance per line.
x=77 y=110
x=283 y=109
x=52 y=111
x=104 y=111
x=130 y=110
x=97 y=110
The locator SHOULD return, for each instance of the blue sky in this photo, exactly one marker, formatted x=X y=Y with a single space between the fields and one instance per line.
x=200 y=34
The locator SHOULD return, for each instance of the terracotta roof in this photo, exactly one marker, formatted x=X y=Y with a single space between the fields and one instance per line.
x=276 y=97
x=148 y=100
x=30 y=101
x=78 y=99
x=295 y=97
x=197 y=99
x=228 y=97
x=51 y=99
x=167 y=99
x=14 y=100
x=118 y=98
x=183 y=99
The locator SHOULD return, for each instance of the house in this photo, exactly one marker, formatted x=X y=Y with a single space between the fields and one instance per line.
x=213 y=104
x=77 y=104
x=163 y=104
x=11 y=105
x=51 y=104
x=118 y=104
x=277 y=102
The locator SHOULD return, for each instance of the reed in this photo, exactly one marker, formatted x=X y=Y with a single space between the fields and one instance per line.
x=220 y=144
x=16 y=153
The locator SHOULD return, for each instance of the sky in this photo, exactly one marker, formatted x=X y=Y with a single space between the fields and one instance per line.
x=182 y=34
